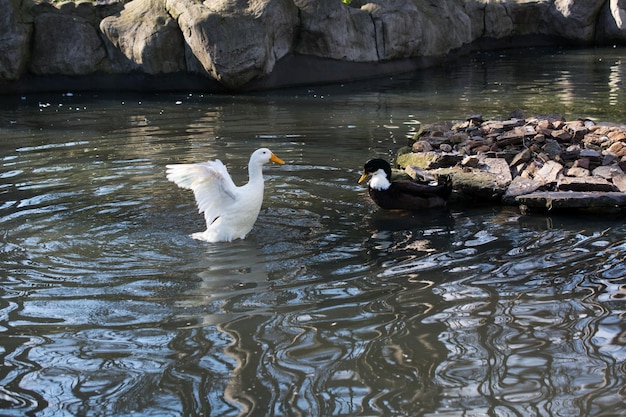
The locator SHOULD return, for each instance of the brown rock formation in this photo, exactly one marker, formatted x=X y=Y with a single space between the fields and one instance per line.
x=240 y=43
x=512 y=162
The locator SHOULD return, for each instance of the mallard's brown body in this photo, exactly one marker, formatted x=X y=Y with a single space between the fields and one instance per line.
x=403 y=194
x=412 y=196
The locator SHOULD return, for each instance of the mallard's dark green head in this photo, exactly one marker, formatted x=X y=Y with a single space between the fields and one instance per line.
x=373 y=165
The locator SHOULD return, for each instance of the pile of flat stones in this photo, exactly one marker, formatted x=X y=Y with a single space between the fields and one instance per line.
x=539 y=163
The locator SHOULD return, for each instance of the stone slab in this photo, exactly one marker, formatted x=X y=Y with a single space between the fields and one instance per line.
x=550 y=200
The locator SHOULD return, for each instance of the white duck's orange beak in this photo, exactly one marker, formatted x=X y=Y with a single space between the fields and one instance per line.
x=276 y=159
x=363 y=177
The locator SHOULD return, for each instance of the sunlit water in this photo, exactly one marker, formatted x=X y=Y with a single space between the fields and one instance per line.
x=330 y=307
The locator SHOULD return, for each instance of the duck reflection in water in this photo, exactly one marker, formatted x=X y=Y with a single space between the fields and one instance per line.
x=427 y=232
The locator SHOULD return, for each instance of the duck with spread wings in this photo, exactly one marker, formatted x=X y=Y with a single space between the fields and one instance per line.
x=230 y=211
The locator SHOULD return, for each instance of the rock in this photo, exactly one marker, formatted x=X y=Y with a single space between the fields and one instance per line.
x=475 y=184
x=608 y=171
x=585 y=184
x=549 y=173
x=499 y=168
x=611 y=25
x=552 y=148
x=569 y=19
x=428 y=160
x=513 y=137
x=458 y=137
x=617 y=135
x=330 y=29
x=594 y=139
x=264 y=33
x=522 y=157
x=542 y=158
x=544 y=166
x=419 y=174
x=583 y=163
x=602 y=130
x=435 y=141
x=543 y=123
x=571 y=153
x=577 y=132
x=609 y=159
x=577 y=172
x=488 y=180
x=593 y=158
x=548 y=201
x=619 y=181
x=240 y=43
x=14 y=42
x=144 y=37
x=520 y=186
x=65 y=44
x=422 y=146
x=561 y=135
x=475 y=119
x=590 y=153
x=408 y=28
x=470 y=161
x=618 y=148
x=380 y=30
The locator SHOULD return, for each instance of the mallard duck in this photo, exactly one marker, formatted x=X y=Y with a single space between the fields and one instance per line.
x=403 y=194
x=230 y=211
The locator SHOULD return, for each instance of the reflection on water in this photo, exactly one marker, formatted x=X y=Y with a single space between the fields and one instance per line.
x=331 y=307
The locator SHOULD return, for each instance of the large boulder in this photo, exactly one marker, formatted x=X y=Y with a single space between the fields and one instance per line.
x=331 y=29
x=612 y=22
x=65 y=44
x=381 y=30
x=406 y=28
x=234 y=41
x=14 y=41
x=506 y=19
x=144 y=37
x=572 y=20
x=575 y=20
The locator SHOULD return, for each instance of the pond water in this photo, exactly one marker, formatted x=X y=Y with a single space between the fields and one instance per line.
x=330 y=307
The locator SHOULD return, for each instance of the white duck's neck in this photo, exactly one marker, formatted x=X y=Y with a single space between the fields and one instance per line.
x=255 y=172
x=379 y=180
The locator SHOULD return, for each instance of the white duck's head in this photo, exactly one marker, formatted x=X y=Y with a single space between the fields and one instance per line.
x=262 y=156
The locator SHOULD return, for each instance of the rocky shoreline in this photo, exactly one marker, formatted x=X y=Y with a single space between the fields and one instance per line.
x=541 y=163
x=214 y=46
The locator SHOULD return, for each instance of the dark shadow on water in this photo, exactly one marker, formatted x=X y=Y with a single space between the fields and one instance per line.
x=387 y=220
x=570 y=221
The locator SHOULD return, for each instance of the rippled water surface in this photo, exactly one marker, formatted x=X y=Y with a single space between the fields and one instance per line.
x=330 y=307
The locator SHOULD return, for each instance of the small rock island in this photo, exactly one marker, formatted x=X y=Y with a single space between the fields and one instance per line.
x=541 y=163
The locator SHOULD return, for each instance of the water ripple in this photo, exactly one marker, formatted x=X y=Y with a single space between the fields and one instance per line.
x=330 y=307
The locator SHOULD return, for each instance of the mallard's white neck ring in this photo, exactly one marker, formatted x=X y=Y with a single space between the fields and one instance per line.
x=379 y=180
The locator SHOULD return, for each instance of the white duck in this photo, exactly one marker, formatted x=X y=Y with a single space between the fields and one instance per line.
x=230 y=211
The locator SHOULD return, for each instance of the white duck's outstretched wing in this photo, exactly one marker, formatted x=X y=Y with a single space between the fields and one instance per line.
x=211 y=184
